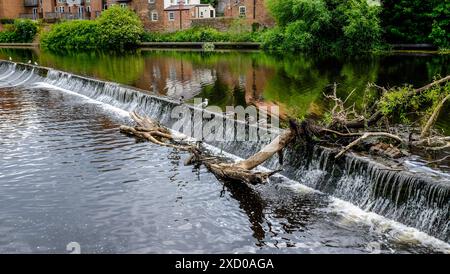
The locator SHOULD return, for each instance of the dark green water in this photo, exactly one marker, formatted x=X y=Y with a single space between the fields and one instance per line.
x=295 y=83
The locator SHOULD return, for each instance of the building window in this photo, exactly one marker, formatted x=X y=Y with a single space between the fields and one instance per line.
x=154 y=16
x=171 y=16
x=151 y=1
x=242 y=11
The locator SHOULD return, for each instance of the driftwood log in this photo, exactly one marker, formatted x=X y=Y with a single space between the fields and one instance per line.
x=243 y=171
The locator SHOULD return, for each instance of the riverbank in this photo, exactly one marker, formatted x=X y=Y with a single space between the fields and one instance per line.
x=19 y=45
x=202 y=45
x=394 y=48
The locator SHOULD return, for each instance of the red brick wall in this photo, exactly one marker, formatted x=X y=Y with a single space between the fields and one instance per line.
x=11 y=8
x=219 y=23
x=175 y=24
x=144 y=9
x=96 y=7
x=256 y=11
x=48 y=6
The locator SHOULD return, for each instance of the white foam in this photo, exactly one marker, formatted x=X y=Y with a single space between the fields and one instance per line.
x=119 y=111
x=394 y=231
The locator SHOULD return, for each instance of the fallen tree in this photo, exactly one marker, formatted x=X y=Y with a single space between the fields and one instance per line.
x=350 y=128
x=152 y=131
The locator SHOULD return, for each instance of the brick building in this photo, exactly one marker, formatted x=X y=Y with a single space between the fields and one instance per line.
x=72 y=9
x=254 y=11
x=180 y=16
x=51 y=9
x=13 y=8
x=157 y=15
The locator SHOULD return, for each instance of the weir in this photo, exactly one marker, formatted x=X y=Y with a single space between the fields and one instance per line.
x=415 y=199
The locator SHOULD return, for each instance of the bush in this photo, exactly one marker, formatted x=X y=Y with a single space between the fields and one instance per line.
x=25 y=30
x=119 y=28
x=273 y=39
x=116 y=29
x=77 y=34
x=323 y=25
x=361 y=30
x=22 y=31
x=440 y=31
x=6 y=37
x=6 y=21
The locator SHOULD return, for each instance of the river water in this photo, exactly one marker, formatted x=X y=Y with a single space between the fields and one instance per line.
x=295 y=83
x=68 y=175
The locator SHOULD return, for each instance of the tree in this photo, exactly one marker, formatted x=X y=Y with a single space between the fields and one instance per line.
x=211 y=2
x=119 y=28
x=407 y=21
x=323 y=25
x=440 y=34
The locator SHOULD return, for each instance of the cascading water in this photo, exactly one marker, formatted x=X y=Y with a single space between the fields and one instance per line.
x=413 y=199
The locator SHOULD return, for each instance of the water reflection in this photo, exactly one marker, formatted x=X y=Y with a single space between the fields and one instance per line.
x=296 y=83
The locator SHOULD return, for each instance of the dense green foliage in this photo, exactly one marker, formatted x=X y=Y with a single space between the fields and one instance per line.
x=22 y=31
x=119 y=28
x=200 y=35
x=416 y=21
x=440 y=30
x=323 y=25
x=406 y=21
x=116 y=29
x=77 y=34
x=398 y=103
x=211 y=2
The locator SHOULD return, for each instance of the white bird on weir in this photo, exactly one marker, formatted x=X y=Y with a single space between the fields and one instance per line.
x=204 y=104
x=36 y=64
x=10 y=59
x=29 y=61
